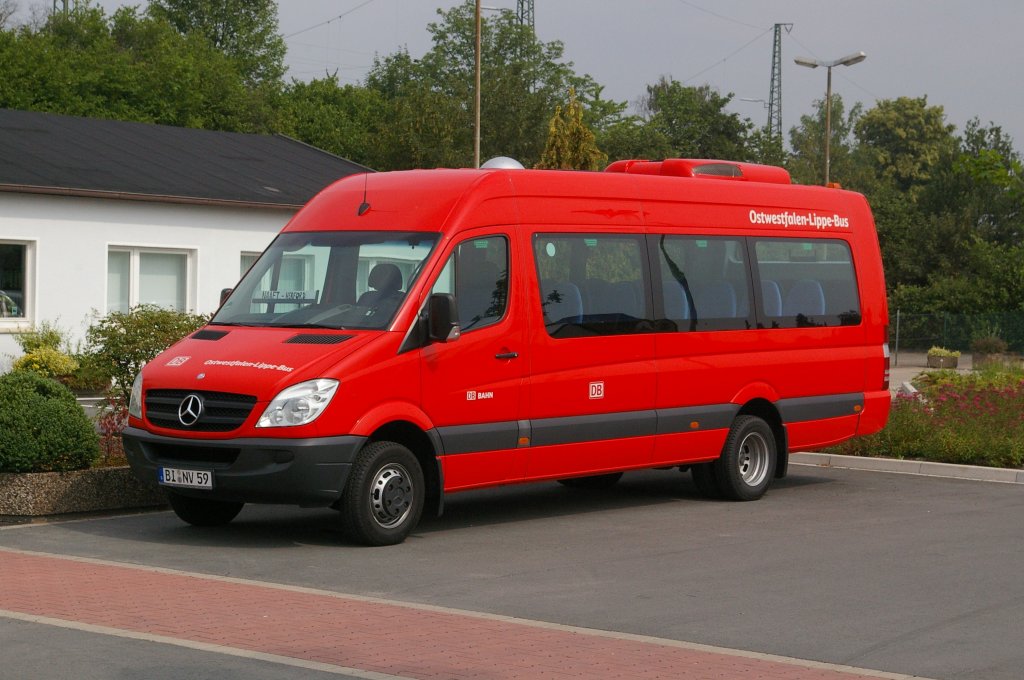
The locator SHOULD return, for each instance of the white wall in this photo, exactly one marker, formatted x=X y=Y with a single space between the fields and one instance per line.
x=71 y=237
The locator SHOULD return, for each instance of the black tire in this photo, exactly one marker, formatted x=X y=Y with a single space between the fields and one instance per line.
x=746 y=467
x=704 y=480
x=593 y=482
x=384 y=495
x=203 y=512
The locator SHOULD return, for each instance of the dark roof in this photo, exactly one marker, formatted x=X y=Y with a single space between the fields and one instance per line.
x=48 y=153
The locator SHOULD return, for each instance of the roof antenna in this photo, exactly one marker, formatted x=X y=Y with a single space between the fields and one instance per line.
x=364 y=207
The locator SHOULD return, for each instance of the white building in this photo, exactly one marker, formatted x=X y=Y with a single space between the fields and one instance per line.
x=98 y=215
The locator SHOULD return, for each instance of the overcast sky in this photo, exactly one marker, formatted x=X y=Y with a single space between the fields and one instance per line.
x=963 y=54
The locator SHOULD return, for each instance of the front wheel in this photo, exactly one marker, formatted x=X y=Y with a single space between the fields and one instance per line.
x=384 y=495
x=747 y=465
x=203 y=512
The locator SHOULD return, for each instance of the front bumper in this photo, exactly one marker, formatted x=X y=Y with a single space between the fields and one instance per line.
x=305 y=472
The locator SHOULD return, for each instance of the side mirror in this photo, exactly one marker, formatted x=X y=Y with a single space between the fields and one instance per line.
x=224 y=293
x=442 y=318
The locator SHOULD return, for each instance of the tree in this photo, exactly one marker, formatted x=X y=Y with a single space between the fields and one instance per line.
x=806 y=163
x=570 y=144
x=905 y=141
x=344 y=120
x=984 y=184
x=245 y=30
x=430 y=100
x=8 y=8
x=126 y=67
x=694 y=120
x=633 y=137
x=763 y=146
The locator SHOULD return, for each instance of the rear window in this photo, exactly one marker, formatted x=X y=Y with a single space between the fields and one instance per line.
x=807 y=283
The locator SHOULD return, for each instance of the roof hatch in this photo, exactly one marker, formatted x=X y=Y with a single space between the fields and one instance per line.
x=688 y=167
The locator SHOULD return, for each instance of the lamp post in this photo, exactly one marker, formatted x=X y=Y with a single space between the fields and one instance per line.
x=848 y=60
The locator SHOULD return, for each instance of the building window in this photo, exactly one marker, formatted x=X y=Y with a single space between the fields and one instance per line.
x=137 y=276
x=248 y=260
x=15 y=279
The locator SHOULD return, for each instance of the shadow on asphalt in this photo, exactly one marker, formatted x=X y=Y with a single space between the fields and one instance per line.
x=267 y=526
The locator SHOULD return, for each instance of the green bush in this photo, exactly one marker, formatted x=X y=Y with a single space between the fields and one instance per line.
x=42 y=427
x=90 y=376
x=988 y=344
x=974 y=419
x=46 y=335
x=122 y=342
x=47 y=362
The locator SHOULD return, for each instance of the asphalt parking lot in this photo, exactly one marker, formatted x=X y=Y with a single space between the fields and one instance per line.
x=907 y=575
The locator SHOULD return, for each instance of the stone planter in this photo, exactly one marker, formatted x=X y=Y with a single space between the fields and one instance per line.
x=942 y=362
x=57 y=493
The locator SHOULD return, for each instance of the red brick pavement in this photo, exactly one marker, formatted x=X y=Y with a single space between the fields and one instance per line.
x=345 y=632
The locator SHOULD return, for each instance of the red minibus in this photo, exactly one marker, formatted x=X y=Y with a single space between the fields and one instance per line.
x=413 y=334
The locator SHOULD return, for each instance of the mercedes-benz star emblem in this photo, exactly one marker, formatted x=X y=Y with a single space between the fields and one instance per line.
x=190 y=409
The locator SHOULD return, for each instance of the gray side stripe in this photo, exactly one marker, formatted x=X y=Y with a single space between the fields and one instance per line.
x=819 y=408
x=480 y=437
x=574 y=429
x=714 y=417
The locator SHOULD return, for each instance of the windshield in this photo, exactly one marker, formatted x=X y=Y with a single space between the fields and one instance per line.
x=348 y=279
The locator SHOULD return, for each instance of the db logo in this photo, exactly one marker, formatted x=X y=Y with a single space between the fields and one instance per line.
x=597 y=390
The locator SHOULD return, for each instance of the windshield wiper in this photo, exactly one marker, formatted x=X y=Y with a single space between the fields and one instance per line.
x=304 y=325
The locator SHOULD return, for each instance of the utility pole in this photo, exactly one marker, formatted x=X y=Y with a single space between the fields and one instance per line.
x=524 y=13
x=65 y=3
x=775 y=92
x=476 y=91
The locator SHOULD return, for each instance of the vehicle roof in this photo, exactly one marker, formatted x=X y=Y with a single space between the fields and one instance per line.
x=431 y=200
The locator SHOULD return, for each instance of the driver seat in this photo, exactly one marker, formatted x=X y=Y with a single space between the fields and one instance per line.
x=385 y=279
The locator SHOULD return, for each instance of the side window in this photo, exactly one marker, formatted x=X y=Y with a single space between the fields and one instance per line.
x=704 y=282
x=592 y=284
x=807 y=283
x=477 y=274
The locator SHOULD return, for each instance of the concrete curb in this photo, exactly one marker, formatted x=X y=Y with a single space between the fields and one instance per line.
x=911 y=467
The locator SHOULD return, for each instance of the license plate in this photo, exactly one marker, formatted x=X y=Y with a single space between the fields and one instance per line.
x=189 y=479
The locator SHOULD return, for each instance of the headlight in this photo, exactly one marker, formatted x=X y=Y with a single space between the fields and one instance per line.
x=135 y=401
x=299 y=404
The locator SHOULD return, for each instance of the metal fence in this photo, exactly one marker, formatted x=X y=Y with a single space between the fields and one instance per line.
x=919 y=332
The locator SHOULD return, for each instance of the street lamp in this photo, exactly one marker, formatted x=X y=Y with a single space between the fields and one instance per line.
x=848 y=60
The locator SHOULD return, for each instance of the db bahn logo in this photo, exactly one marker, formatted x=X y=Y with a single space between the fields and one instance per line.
x=190 y=409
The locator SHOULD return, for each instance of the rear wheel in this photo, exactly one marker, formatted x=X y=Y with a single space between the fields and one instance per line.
x=203 y=512
x=747 y=465
x=384 y=495
x=593 y=482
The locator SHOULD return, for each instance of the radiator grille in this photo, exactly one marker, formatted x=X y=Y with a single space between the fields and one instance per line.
x=221 y=411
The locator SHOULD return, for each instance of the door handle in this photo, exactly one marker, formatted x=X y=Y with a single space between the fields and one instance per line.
x=506 y=355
